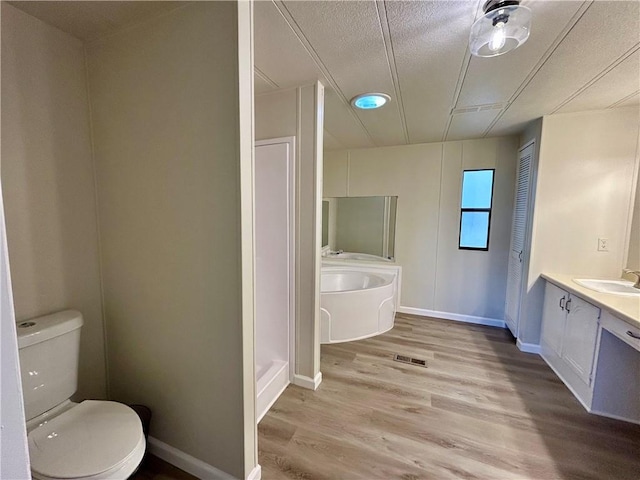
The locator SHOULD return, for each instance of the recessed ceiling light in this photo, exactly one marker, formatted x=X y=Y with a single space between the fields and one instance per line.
x=369 y=101
x=504 y=27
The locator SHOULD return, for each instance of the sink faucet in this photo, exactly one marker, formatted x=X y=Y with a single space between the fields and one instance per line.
x=637 y=274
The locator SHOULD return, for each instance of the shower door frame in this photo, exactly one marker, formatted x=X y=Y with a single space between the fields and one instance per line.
x=292 y=200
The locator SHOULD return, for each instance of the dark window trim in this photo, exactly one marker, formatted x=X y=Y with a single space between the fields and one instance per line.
x=488 y=210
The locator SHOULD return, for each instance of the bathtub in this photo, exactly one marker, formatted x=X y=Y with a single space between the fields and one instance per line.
x=355 y=304
x=358 y=256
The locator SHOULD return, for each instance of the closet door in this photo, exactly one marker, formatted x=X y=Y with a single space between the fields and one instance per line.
x=518 y=235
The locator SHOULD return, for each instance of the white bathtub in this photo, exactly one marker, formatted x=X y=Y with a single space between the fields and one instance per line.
x=355 y=304
x=358 y=256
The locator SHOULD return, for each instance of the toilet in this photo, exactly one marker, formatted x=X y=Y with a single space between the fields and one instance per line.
x=93 y=439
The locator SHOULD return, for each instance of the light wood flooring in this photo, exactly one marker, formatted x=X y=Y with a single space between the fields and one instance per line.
x=154 y=468
x=480 y=410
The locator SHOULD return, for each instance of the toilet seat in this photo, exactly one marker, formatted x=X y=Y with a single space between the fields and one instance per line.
x=93 y=440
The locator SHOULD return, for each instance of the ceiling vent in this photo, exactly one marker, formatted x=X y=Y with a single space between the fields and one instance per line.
x=478 y=108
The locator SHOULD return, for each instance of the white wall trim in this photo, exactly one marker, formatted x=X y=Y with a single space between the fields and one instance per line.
x=528 y=347
x=308 y=382
x=611 y=415
x=491 y=322
x=188 y=463
x=256 y=473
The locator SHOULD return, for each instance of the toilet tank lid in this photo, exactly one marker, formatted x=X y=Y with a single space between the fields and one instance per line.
x=39 y=329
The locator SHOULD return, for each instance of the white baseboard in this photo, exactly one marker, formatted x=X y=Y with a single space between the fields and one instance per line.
x=256 y=473
x=528 y=347
x=615 y=417
x=270 y=392
x=491 y=322
x=308 y=382
x=188 y=463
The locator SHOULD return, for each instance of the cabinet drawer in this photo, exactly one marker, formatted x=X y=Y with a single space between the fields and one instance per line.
x=621 y=329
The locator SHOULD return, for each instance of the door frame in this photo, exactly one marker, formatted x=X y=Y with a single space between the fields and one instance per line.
x=291 y=142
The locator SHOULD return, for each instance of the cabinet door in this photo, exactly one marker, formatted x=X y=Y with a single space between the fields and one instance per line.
x=553 y=317
x=580 y=334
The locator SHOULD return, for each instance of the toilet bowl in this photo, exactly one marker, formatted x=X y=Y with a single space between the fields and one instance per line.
x=94 y=439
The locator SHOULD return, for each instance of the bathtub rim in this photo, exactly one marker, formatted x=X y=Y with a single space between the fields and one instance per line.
x=343 y=257
x=389 y=280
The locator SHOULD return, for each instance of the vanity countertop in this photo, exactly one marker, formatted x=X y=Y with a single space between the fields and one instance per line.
x=625 y=308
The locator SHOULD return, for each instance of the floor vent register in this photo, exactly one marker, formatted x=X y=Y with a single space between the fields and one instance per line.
x=410 y=360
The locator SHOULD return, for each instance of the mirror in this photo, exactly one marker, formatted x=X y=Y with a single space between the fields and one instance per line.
x=360 y=225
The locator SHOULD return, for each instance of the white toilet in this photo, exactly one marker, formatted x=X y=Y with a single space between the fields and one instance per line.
x=88 y=440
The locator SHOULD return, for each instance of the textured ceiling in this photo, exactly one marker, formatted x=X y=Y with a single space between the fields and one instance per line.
x=581 y=55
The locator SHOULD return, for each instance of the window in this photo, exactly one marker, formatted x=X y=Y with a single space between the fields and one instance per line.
x=475 y=209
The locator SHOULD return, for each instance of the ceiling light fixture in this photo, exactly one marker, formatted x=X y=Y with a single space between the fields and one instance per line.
x=369 y=101
x=504 y=27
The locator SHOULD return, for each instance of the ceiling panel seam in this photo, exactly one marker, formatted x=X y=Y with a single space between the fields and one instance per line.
x=547 y=55
x=304 y=41
x=622 y=100
x=464 y=68
x=613 y=65
x=391 y=62
x=456 y=95
x=265 y=77
x=334 y=139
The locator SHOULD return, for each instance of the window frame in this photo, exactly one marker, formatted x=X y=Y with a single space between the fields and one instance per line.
x=482 y=210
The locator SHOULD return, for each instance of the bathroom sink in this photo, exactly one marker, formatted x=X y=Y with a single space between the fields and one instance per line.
x=616 y=287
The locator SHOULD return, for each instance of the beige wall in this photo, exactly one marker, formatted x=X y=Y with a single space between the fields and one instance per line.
x=48 y=182
x=165 y=105
x=633 y=260
x=587 y=163
x=298 y=112
x=437 y=276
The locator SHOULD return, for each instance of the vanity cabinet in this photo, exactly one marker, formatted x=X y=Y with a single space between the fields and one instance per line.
x=569 y=335
x=591 y=348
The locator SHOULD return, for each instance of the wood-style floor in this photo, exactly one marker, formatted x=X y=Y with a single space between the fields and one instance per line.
x=153 y=468
x=480 y=410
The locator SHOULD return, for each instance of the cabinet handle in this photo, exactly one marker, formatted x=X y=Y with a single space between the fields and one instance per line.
x=633 y=335
x=567 y=305
x=562 y=303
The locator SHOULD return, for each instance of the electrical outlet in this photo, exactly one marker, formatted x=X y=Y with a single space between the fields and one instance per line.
x=603 y=244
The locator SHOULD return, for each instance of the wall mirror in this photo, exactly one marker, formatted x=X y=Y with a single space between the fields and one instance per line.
x=365 y=225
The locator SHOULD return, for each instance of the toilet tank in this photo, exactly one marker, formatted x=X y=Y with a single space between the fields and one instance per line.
x=49 y=348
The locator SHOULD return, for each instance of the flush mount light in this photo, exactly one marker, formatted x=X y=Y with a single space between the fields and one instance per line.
x=369 y=101
x=504 y=27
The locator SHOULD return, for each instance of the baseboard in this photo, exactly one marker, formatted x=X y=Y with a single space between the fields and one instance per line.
x=491 y=322
x=615 y=417
x=188 y=463
x=528 y=347
x=256 y=473
x=307 y=382
x=272 y=391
